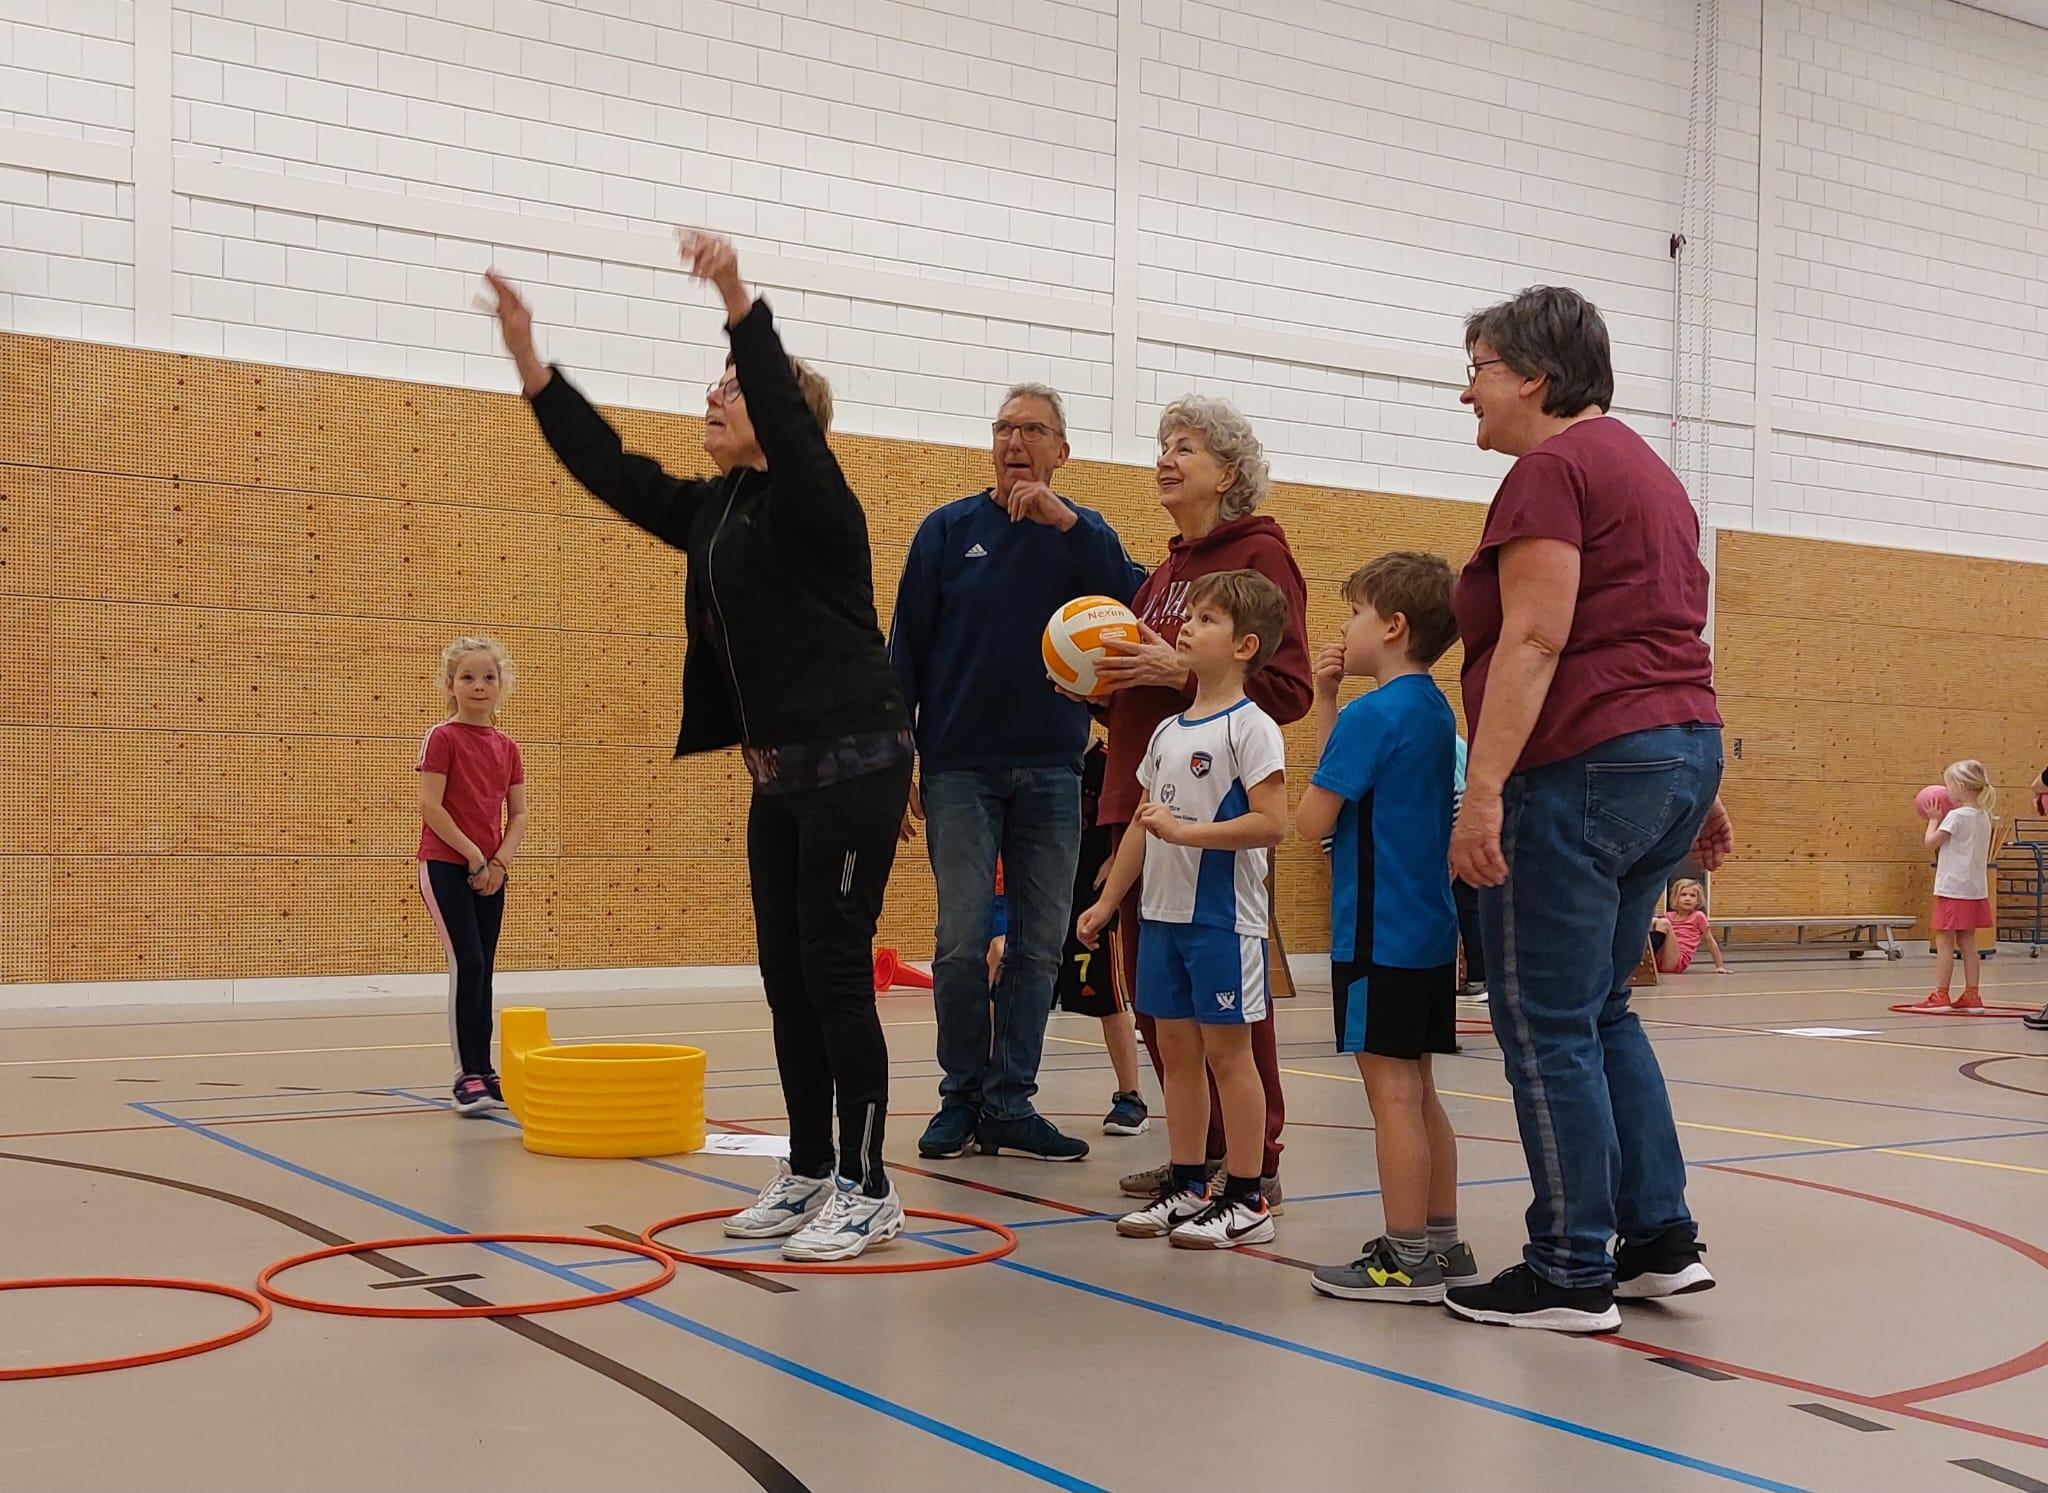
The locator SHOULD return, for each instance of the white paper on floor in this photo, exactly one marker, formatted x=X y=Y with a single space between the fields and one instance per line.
x=1825 y=1031
x=719 y=1144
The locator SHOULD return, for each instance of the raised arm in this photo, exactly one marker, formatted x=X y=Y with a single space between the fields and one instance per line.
x=800 y=462
x=633 y=486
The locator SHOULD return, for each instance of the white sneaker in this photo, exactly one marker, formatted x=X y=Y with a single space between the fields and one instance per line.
x=1225 y=1224
x=784 y=1206
x=850 y=1222
x=1159 y=1218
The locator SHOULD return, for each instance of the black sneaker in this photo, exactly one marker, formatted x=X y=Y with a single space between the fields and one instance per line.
x=1127 y=1116
x=1519 y=1297
x=1668 y=1265
x=494 y=1089
x=2038 y=1022
x=949 y=1134
x=471 y=1097
x=1032 y=1136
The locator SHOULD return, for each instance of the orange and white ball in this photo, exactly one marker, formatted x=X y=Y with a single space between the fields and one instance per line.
x=1077 y=639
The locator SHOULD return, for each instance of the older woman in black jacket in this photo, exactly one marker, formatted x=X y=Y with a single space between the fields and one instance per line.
x=785 y=659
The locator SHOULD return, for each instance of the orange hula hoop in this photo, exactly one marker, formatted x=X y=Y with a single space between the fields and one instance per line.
x=510 y=1309
x=138 y=1360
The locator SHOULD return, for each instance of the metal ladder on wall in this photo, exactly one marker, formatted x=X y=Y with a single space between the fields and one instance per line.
x=2021 y=872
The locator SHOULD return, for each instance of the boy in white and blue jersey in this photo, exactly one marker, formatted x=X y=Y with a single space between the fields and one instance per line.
x=1384 y=786
x=1215 y=803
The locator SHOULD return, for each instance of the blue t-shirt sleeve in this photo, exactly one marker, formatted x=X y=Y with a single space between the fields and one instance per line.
x=1353 y=754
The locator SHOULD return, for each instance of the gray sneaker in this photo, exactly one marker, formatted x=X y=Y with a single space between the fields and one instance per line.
x=1378 y=1275
x=1146 y=1184
x=1458 y=1265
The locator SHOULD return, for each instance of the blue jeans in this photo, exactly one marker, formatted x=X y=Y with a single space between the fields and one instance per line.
x=1590 y=843
x=1032 y=816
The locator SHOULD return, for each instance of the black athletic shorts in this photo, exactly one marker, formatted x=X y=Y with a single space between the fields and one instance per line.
x=1394 y=1013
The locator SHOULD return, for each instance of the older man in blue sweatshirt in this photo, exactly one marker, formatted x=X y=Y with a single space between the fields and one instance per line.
x=1000 y=765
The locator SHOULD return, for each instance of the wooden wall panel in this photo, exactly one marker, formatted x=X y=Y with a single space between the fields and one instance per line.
x=26 y=537
x=223 y=592
x=25 y=661
x=1851 y=677
x=24 y=918
x=25 y=789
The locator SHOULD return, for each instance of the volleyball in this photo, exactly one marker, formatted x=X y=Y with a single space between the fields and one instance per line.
x=1077 y=639
x=1933 y=802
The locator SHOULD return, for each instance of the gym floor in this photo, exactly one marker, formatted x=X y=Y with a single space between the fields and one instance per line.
x=1873 y=1202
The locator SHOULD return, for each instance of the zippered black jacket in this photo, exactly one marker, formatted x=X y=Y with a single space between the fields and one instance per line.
x=781 y=645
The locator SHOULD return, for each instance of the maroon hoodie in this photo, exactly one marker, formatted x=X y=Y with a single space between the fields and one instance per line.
x=1283 y=688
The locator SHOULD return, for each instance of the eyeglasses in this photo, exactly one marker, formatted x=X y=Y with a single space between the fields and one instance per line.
x=1472 y=369
x=726 y=392
x=1033 y=431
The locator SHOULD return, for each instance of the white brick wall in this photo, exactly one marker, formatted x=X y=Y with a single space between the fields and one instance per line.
x=1914 y=281
x=67 y=250
x=892 y=136
x=67 y=68
x=1312 y=200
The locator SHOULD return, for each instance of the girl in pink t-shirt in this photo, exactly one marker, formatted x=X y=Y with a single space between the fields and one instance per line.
x=473 y=808
x=1677 y=935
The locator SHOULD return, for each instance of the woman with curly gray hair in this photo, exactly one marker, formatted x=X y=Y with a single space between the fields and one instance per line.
x=1212 y=478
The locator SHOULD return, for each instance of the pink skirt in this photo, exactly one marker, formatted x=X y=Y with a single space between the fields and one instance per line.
x=1962 y=914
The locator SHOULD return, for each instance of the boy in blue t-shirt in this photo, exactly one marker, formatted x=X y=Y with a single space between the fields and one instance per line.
x=1383 y=787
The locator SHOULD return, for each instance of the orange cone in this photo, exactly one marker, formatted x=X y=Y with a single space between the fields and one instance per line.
x=892 y=973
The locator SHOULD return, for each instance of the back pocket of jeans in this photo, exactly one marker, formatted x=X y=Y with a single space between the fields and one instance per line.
x=1628 y=805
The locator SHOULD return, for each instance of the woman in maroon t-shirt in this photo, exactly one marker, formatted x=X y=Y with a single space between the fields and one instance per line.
x=1595 y=767
x=1212 y=476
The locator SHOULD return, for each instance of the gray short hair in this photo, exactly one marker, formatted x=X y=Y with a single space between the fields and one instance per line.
x=1228 y=434
x=1551 y=332
x=1047 y=393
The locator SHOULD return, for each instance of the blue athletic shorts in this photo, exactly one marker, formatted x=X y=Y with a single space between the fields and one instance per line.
x=1189 y=972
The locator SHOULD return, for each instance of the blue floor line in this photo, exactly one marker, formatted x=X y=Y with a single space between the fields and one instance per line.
x=356 y=1111
x=916 y=1419
x=281 y=1094
x=510 y=1124
x=953 y=1434
x=1396 y=1376
x=936 y=1240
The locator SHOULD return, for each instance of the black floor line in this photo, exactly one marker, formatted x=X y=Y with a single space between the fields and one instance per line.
x=1841 y=1417
x=748 y=1455
x=1697 y=1370
x=766 y=1283
x=1973 y=1070
x=1999 y=1474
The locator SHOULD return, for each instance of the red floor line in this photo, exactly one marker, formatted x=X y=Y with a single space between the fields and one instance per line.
x=1825 y=1391
x=1900 y=1402
x=2012 y=1368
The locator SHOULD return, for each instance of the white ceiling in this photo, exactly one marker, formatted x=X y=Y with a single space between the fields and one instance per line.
x=2033 y=12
